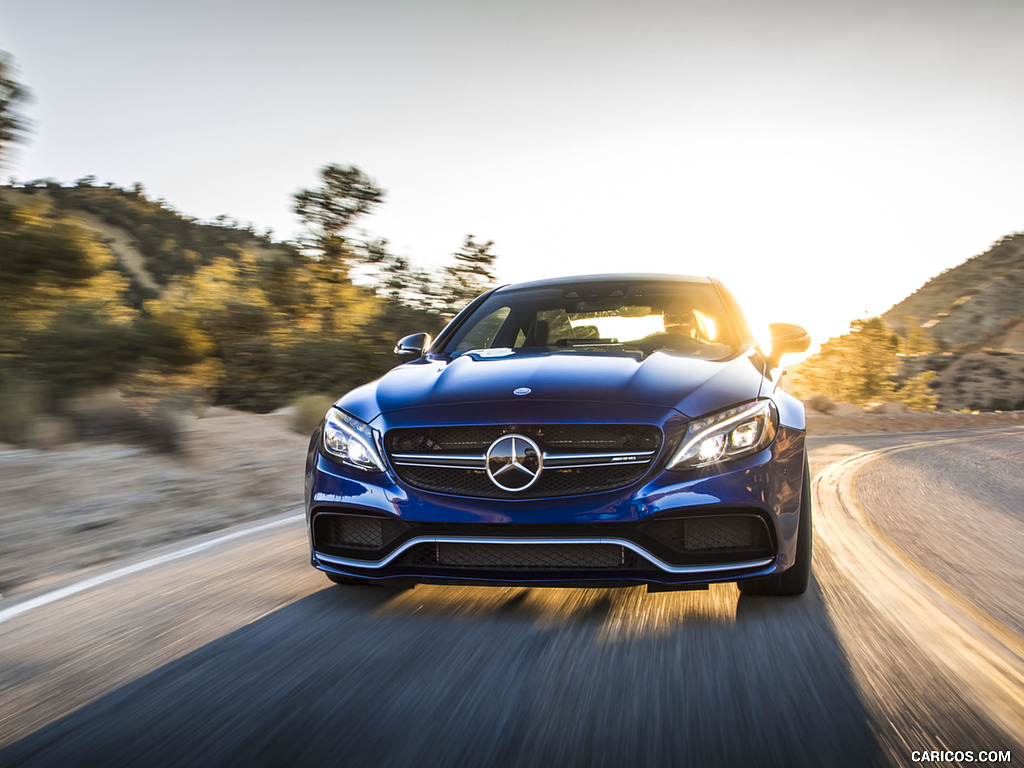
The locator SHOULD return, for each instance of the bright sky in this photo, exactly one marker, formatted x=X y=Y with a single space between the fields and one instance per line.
x=822 y=157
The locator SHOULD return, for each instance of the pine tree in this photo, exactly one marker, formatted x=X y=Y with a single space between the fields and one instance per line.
x=470 y=275
x=13 y=125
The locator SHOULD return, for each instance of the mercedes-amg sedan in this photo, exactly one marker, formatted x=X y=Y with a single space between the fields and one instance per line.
x=606 y=430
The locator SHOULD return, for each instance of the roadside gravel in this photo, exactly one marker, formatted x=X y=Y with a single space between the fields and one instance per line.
x=83 y=505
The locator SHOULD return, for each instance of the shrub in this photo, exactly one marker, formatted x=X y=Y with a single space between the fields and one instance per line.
x=307 y=412
x=917 y=392
x=821 y=403
x=19 y=408
x=47 y=433
x=103 y=416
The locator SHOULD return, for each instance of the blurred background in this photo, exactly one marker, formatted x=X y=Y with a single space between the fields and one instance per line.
x=238 y=205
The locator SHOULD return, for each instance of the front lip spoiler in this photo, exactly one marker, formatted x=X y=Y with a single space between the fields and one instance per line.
x=667 y=567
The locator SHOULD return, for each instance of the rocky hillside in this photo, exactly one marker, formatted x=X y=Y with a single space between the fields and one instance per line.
x=153 y=243
x=975 y=315
x=988 y=380
x=977 y=305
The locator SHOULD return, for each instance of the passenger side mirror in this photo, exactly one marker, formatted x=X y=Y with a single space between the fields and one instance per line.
x=413 y=347
x=786 y=338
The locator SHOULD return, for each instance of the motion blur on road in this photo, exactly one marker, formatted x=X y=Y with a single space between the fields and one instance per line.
x=908 y=644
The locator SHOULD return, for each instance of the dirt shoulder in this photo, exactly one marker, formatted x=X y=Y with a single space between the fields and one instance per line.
x=874 y=423
x=72 y=509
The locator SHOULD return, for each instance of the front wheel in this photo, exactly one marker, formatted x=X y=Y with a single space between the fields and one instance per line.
x=795 y=580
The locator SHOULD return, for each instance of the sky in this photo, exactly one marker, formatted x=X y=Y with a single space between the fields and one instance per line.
x=823 y=158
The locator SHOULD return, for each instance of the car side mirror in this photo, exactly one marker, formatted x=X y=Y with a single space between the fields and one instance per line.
x=413 y=347
x=786 y=338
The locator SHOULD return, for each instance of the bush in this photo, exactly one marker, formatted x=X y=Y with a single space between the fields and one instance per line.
x=917 y=392
x=79 y=351
x=821 y=403
x=19 y=408
x=307 y=412
x=105 y=417
x=47 y=433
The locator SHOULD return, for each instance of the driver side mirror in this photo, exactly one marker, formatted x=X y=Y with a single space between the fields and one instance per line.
x=413 y=347
x=786 y=338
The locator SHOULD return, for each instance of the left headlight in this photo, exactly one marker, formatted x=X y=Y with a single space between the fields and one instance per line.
x=726 y=435
x=350 y=440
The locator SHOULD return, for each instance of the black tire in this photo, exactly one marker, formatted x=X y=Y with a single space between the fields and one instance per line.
x=348 y=581
x=795 y=580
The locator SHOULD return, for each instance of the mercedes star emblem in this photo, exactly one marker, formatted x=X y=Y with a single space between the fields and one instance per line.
x=514 y=463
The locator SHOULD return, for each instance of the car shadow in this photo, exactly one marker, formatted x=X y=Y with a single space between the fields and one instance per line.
x=485 y=676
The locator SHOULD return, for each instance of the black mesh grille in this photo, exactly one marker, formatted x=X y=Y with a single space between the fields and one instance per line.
x=728 y=533
x=702 y=534
x=538 y=557
x=552 y=439
x=354 y=531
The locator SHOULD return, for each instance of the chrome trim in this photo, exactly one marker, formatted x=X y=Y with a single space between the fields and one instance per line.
x=622 y=455
x=550 y=460
x=446 y=461
x=668 y=568
x=470 y=467
x=601 y=464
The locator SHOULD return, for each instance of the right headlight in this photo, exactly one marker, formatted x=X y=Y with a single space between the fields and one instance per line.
x=351 y=441
x=727 y=435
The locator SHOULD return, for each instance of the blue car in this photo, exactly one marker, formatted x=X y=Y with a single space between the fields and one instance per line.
x=605 y=430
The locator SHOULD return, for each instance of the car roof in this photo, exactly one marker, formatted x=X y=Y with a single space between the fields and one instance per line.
x=640 y=277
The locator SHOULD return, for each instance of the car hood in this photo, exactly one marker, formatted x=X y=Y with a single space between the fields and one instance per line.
x=666 y=379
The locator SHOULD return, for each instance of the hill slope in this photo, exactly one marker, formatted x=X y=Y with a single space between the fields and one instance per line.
x=152 y=243
x=979 y=304
x=975 y=314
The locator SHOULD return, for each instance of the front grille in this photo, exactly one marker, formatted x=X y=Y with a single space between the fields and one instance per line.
x=535 y=557
x=552 y=482
x=578 y=458
x=559 y=438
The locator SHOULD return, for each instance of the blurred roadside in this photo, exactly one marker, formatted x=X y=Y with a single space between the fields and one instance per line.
x=83 y=504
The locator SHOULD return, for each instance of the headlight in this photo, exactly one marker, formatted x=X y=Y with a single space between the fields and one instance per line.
x=350 y=440
x=726 y=435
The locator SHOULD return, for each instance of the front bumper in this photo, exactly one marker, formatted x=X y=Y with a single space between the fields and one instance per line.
x=671 y=528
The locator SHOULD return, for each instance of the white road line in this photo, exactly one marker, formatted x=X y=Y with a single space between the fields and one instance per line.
x=73 y=589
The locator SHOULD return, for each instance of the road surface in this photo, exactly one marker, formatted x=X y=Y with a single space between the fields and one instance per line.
x=233 y=651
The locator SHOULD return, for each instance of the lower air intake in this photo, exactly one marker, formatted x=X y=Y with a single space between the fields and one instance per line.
x=353 y=531
x=540 y=557
x=726 y=533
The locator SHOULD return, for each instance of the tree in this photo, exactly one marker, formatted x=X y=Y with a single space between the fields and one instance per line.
x=345 y=194
x=328 y=213
x=859 y=367
x=470 y=275
x=13 y=126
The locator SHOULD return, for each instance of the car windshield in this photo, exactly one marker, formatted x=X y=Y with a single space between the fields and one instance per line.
x=631 y=318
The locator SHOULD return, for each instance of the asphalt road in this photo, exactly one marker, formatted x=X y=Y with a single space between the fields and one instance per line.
x=241 y=654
